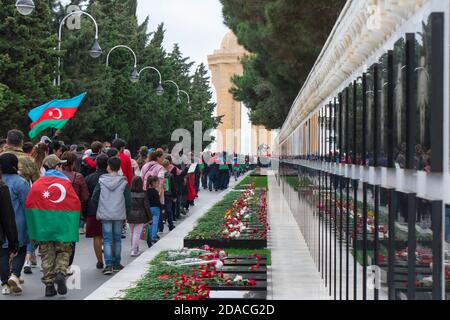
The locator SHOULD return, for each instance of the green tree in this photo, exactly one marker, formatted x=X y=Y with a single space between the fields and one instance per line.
x=286 y=37
x=27 y=62
x=113 y=105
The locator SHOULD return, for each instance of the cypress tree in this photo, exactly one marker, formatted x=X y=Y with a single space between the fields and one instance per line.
x=27 y=63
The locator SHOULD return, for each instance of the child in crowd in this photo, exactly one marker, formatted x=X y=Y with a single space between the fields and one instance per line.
x=168 y=199
x=140 y=213
x=153 y=187
x=112 y=197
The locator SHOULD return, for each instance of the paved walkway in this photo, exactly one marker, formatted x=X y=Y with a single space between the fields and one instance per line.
x=97 y=286
x=293 y=274
x=172 y=241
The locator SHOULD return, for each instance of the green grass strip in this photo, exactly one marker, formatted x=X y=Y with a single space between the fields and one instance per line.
x=151 y=287
x=210 y=225
x=260 y=182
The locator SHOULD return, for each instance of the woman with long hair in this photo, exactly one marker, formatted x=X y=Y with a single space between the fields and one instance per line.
x=142 y=157
x=140 y=213
x=8 y=228
x=11 y=269
x=40 y=151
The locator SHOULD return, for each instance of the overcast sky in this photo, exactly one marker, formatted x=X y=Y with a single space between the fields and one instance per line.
x=196 y=25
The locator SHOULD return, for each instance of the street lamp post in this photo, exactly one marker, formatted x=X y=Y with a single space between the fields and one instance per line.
x=134 y=77
x=160 y=88
x=25 y=7
x=95 y=51
x=178 y=90
x=188 y=98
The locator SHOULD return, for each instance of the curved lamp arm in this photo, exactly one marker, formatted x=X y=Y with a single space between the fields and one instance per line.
x=152 y=68
x=187 y=95
x=60 y=35
x=174 y=83
x=68 y=16
x=122 y=46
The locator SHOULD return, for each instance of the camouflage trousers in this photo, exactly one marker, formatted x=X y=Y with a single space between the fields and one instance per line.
x=55 y=258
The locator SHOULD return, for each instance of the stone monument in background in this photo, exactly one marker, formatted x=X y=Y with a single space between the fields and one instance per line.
x=224 y=63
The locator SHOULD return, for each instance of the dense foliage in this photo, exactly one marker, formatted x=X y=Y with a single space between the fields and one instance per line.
x=114 y=105
x=285 y=38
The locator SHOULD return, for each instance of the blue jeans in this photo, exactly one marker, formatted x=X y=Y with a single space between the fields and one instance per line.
x=14 y=266
x=112 y=242
x=31 y=248
x=156 y=212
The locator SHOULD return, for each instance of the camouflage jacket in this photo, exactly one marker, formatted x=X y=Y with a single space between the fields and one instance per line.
x=27 y=167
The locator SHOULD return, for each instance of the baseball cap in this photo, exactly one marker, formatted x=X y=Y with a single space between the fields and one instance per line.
x=52 y=161
x=45 y=139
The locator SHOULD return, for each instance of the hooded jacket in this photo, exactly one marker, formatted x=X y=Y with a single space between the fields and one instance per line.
x=112 y=197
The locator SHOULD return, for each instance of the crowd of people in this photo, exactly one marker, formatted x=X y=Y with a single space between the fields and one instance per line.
x=51 y=193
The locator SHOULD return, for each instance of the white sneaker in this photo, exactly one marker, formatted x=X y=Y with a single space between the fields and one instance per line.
x=5 y=290
x=27 y=267
x=135 y=253
x=14 y=285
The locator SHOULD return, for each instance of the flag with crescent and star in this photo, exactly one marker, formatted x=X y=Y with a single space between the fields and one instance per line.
x=53 y=210
x=53 y=114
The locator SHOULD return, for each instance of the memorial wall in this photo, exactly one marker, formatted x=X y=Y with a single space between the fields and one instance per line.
x=364 y=153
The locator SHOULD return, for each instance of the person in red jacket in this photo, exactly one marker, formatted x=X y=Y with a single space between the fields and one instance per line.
x=125 y=161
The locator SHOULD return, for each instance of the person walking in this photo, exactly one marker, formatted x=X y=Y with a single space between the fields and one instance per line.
x=79 y=153
x=126 y=169
x=176 y=173
x=154 y=168
x=205 y=170
x=27 y=167
x=112 y=197
x=86 y=166
x=79 y=185
x=169 y=193
x=153 y=195
x=13 y=192
x=134 y=165
x=140 y=213
x=53 y=215
x=94 y=226
x=125 y=160
x=40 y=151
x=142 y=157
x=213 y=174
x=191 y=183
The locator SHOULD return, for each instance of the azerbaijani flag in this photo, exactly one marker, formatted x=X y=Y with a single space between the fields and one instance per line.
x=53 y=209
x=145 y=232
x=53 y=114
